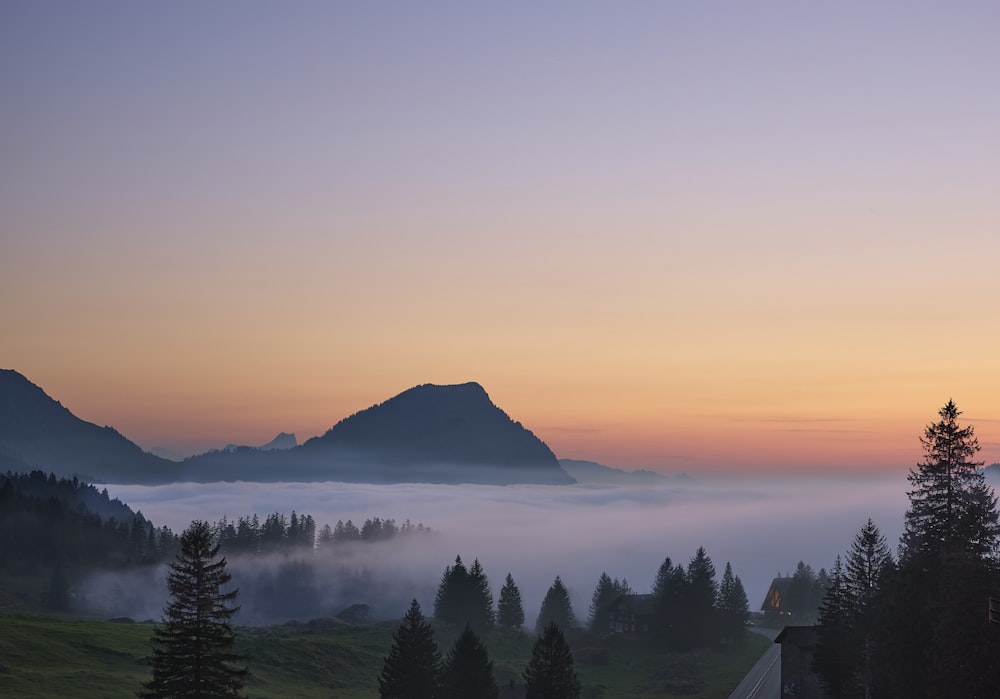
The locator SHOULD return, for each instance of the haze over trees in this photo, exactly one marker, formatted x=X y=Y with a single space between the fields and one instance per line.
x=691 y=610
x=605 y=595
x=194 y=654
x=556 y=608
x=464 y=597
x=510 y=611
x=65 y=529
x=733 y=608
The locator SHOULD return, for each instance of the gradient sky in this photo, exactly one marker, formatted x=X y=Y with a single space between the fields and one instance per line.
x=688 y=236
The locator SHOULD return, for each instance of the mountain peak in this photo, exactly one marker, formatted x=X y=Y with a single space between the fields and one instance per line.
x=441 y=425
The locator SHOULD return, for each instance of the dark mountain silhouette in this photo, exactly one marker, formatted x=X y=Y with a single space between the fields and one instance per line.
x=427 y=434
x=453 y=433
x=37 y=432
x=593 y=472
x=284 y=440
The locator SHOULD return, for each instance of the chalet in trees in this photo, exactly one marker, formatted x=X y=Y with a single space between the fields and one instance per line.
x=632 y=614
x=775 y=600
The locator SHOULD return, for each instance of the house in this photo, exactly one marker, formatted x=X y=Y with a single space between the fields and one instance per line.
x=798 y=645
x=632 y=614
x=774 y=602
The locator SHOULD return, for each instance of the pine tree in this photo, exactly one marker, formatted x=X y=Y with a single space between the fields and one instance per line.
x=947 y=571
x=669 y=593
x=952 y=509
x=464 y=597
x=556 y=608
x=510 y=611
x=413 y=667
x=468 y=670
x=550 y=673
x=851 y=618
x=837 y=656
x=480 y=605
x=194 y=655
x=604 y=597
x=449 y=603
x=734 y=609
x=700 y=596
x=868 y=563
x=801 y=599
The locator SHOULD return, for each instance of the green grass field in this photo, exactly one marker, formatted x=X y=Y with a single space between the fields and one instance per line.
x=52 y=656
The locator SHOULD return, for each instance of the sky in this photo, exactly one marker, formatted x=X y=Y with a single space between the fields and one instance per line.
x=686 y=236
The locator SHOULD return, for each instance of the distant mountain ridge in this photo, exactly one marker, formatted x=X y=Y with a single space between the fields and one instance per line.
x=592 y=472
x=429 y=433
x=284 y=440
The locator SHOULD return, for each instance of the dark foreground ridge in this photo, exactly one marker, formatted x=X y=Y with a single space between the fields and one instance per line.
x=427 y=434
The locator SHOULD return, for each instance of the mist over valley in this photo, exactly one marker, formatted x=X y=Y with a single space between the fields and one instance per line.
x=762 y=526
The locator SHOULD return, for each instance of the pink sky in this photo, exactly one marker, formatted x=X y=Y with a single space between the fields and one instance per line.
x=705 y=237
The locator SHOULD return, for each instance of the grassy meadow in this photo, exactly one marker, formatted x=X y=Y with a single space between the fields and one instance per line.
x=54 y=656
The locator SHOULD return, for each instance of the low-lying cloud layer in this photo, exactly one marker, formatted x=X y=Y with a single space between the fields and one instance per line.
x=762 y=526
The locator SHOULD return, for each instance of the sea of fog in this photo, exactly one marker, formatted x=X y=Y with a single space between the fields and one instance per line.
x=763 y=527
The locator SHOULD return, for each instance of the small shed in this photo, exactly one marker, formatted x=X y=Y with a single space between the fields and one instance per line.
x=798 y=645
x=632 y=614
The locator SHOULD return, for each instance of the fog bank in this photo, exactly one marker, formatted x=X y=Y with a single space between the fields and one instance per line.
x=763 y=526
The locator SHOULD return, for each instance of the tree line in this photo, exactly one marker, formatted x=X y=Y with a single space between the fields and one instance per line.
x=278 y=533
x=62 y=528
x=921 y=623
x=687 y=607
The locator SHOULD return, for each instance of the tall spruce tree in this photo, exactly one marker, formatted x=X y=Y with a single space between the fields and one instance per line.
x=556 y=608
x=850 y=655
x=464 y=597
x=804 y=596
x=734 y=608
x=413 y=667
x=450 y=601
x=194 y=645
x=952 y=509
x=869 y=562
x=468 y=670
x=700 y=597
x=510 y=611
x=603 y=598
x=947 y=571
x=837 y=654
x=480 y=611
x=550 y=673
x=669 y=610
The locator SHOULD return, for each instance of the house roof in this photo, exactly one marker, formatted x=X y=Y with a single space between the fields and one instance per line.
x=779 y=585
x=802 y=636
x=638 y=604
